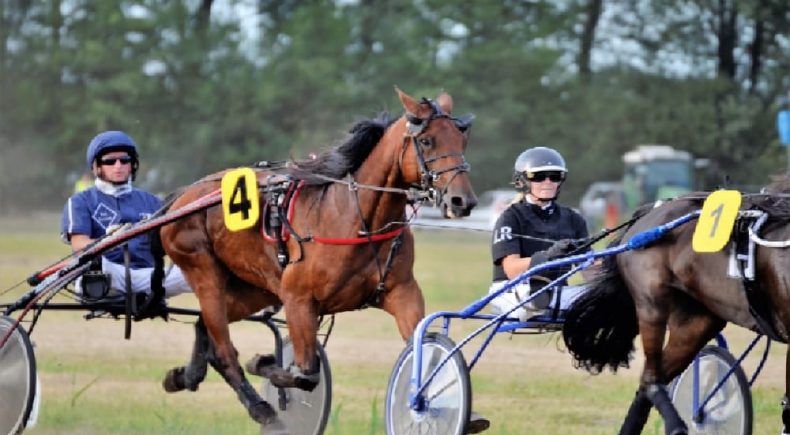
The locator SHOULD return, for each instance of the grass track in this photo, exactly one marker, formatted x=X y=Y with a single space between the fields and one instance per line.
x=95 y=382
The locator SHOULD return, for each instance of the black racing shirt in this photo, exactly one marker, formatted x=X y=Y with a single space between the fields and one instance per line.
x=554 y=223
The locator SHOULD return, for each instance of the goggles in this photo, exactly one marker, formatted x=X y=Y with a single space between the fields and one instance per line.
x=110 y=161
x=555 y=176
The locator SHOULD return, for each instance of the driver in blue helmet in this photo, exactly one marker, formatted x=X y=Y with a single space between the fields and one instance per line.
x=525 y=233
x=111 y=202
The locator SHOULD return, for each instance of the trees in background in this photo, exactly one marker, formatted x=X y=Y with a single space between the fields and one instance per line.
x=204 y=85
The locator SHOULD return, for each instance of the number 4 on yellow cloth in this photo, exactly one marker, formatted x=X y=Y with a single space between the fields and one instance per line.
x=716 y=221
x=240 y=203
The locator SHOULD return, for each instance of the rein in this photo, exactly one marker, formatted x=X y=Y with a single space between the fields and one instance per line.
x=412 y=194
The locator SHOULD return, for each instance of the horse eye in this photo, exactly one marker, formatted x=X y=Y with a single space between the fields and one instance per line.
x=426 y=142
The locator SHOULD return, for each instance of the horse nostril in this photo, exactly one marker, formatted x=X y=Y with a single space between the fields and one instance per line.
x=460 y=202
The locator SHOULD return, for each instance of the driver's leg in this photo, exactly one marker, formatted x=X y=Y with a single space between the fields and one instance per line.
x=175 y=283
x=141 y=278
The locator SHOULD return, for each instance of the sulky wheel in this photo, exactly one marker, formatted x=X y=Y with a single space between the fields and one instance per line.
x=729 y=411
x=447 y=398
x=17 y=377
x=303 y=412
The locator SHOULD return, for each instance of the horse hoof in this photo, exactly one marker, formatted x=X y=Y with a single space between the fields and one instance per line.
x=258 y=364
x=282 y=378
x=274 y=428
x=306 y=383
x=264 y=414
x=174 y=380
x=278 y=376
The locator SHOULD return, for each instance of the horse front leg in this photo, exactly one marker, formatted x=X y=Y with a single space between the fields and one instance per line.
x=302 y=320
x=406 y=304
x=190 y=376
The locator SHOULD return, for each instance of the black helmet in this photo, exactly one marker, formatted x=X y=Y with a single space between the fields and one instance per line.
x=538 y=159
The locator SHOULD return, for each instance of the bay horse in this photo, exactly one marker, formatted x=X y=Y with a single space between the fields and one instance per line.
x=357 y=190
x=668 y=287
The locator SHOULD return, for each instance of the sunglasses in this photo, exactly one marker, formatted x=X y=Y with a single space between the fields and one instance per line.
x=110 y=161
x=555 y=176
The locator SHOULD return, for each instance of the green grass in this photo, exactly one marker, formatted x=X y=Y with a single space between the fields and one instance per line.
x=95 y=382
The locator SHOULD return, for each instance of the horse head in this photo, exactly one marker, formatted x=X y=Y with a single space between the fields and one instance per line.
x=433 y=153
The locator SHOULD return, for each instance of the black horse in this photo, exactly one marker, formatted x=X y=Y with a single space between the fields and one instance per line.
x=667 y=286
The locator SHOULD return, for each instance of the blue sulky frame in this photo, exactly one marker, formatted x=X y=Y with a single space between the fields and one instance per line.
x=504 y=323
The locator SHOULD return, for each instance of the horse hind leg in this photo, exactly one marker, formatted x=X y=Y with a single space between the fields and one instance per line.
x=190 y=376
x=260 y=410
x=785 y=400
x=637 y=414
x=691 y=325
x=211 y=283
x=654 y=304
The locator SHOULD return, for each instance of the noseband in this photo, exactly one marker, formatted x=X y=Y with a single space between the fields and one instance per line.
x=415 y=126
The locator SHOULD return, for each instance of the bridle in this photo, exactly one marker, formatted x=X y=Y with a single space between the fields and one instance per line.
x=415 y=127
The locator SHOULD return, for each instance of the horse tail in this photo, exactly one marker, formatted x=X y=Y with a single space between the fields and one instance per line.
x=600 y=327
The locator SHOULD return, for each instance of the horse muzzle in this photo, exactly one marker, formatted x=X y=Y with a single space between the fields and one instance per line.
x=457 y=206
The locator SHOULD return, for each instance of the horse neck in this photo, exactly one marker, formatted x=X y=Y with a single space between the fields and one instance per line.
x=382 y=169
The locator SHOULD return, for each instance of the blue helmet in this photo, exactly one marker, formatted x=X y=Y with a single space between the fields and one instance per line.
x=111 y=141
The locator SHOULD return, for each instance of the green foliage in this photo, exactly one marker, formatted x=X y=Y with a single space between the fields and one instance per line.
x=273 y=80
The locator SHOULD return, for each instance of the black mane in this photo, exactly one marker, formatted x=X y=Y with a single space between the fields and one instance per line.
x=773 y=199
x=346 y=157
x=779 y=184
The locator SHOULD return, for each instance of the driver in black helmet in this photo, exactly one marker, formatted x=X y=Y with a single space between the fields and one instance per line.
x=524 y=232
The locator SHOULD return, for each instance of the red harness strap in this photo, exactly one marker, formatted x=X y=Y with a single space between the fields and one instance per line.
x=359 y=240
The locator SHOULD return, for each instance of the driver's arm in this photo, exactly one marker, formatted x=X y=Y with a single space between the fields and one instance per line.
x=515 y=264
x=79 y=241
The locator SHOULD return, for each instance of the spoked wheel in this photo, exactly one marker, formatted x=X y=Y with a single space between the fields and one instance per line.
x=729 y=411
x=17 y=378
x=303 y=412
x=448 y=397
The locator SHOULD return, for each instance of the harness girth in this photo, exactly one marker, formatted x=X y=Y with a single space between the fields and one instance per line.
x=759 y=305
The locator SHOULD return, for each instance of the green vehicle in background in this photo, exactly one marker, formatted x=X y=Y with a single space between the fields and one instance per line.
x=651 y=173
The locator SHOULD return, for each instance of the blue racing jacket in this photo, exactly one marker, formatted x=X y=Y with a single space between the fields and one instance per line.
x=91 y=212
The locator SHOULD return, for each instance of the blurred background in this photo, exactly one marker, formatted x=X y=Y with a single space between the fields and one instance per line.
x=207 y=84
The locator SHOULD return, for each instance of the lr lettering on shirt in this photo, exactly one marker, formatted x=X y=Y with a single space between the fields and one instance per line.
x=504 y=233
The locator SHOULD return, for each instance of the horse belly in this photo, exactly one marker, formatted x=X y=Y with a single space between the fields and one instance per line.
x=724 y=296
x=246 y=254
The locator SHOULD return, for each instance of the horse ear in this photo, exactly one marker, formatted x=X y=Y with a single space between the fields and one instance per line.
x=445 y=101
x=409 y=103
